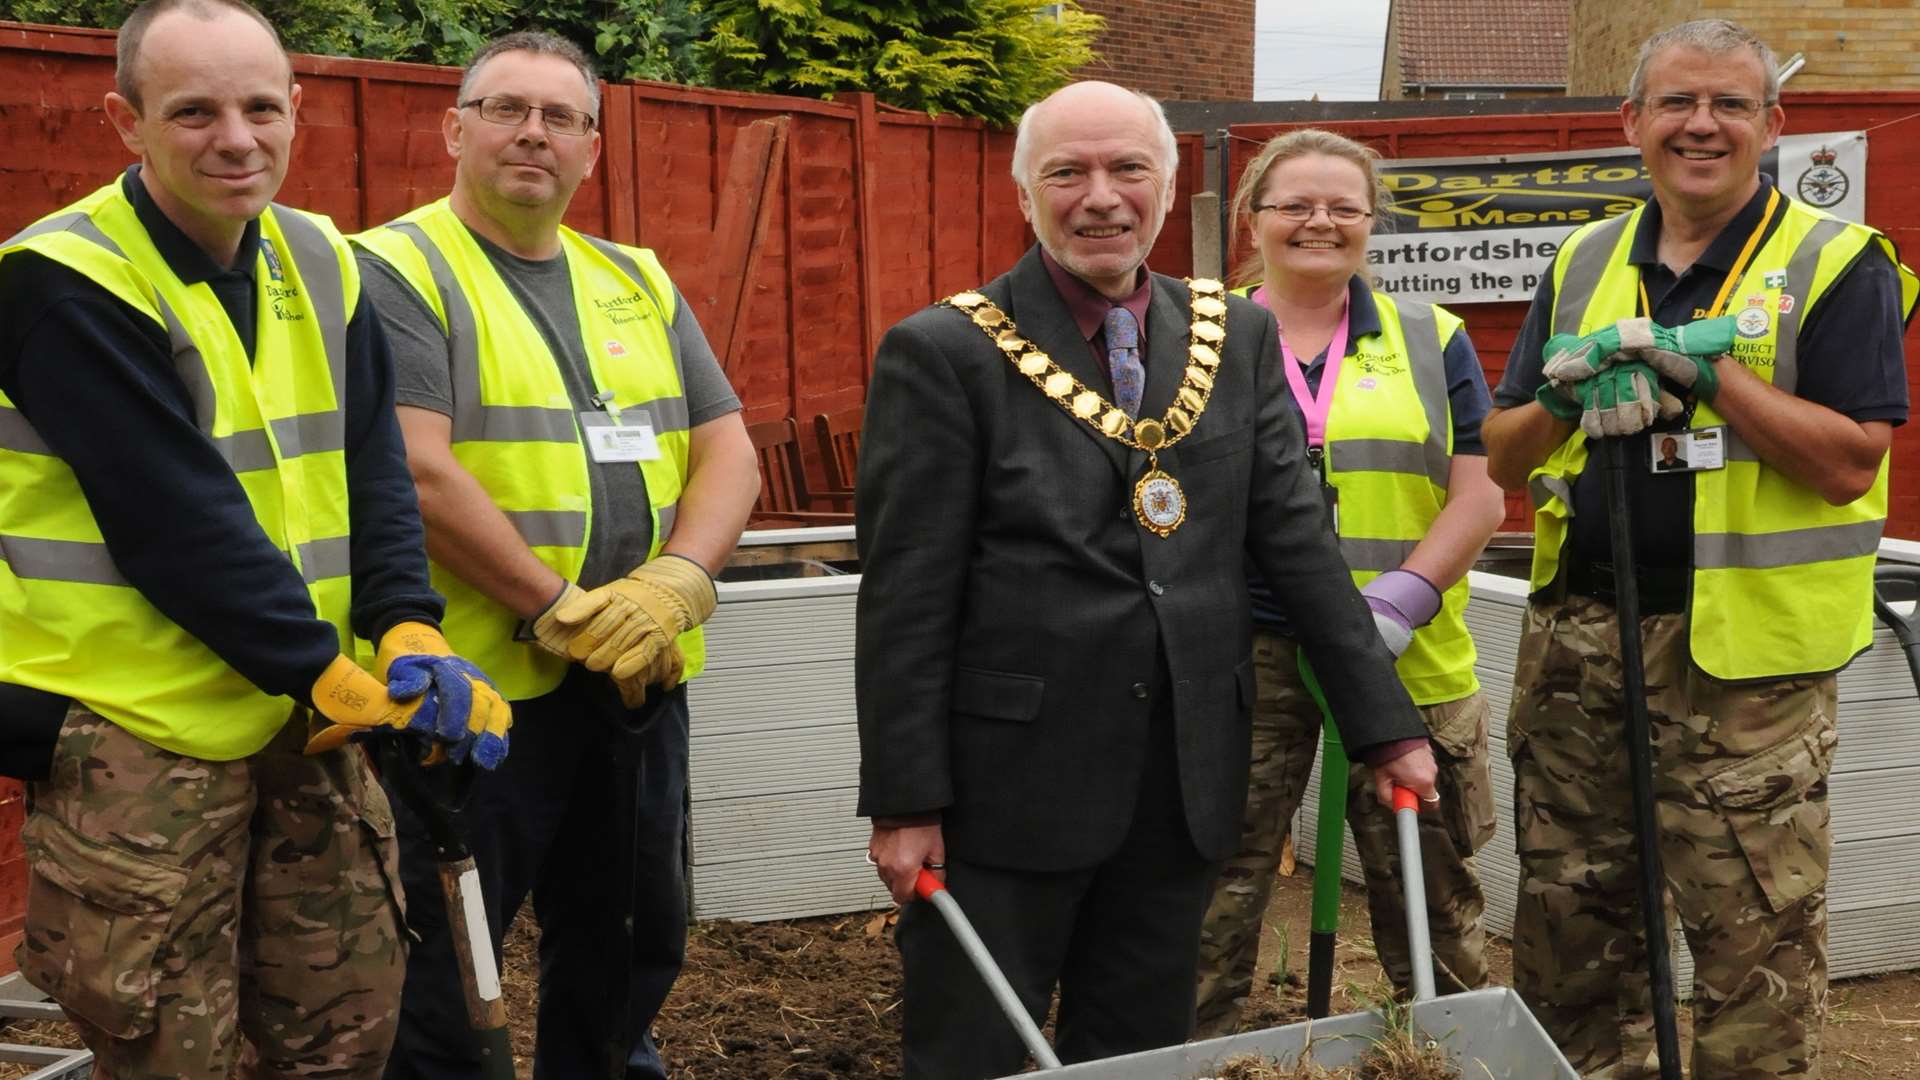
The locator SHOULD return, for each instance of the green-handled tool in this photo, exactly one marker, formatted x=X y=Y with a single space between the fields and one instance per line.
x=1328 y=853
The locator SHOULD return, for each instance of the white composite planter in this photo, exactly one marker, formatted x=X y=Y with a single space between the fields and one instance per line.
x=1873 y=910
x=775 y=759
x=775 y=763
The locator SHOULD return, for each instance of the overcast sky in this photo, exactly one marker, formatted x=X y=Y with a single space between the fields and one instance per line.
x=1307 y=47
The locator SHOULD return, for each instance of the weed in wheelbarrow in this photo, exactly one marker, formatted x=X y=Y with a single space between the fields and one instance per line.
x=1403 y=1054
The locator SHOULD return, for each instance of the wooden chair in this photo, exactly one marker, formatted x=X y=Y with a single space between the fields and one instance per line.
x=839 y=436
x=784 y=497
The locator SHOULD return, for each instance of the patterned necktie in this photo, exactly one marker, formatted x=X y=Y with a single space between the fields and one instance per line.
x=1123 y=359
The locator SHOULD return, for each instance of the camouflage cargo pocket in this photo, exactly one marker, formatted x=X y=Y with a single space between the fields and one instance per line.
x=96 y=919
x=1459 y=730
x=1776 y=803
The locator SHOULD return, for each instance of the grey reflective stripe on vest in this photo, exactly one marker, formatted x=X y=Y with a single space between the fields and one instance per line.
x=1800 y=270
x=17 y=433
x=471 y=420
x=632 y=269
x=1587 y=265
x=1427 y=358
x=1381 y=555
x=1544 y=489
x=319 y=267
x=1795 y=547
x=246 y=451
x=326 y=557
x=57 y=223
x=60 y=560
x=550 y=528
x=669 y=415
x=1381 y=455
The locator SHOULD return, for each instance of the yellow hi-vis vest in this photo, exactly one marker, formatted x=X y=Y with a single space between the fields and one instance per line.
x=1389 y=451
x=1782 y=582
x=514 y=427
x=69 y=622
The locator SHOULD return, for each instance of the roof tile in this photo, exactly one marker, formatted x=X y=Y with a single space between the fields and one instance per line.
x=1483 y=42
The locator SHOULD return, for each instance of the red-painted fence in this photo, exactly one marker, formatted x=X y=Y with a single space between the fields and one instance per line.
x=1893 y=206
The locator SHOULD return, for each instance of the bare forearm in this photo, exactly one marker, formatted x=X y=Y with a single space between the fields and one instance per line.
x=469 y=536
x=1475 y=507
x=1808 y=443
x=1518 y=441
x=723 y=480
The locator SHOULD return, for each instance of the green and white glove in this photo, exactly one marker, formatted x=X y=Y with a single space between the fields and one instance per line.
x=1561 y=400
x=1683 y=353
x=1572 y=358
x=1623 y=400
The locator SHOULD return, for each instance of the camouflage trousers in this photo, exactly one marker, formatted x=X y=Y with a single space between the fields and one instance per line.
x=1286 y=736
x=207 y=919
x=1740 y=782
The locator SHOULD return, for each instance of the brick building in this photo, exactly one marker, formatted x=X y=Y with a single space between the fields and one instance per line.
x=1190 y=50
x=1849 y=44
x=1475 y=49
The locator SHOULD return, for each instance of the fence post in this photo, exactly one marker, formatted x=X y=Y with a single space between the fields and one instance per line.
x=866 y=180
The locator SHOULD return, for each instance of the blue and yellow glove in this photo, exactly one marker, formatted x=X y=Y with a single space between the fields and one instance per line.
x=458 y=703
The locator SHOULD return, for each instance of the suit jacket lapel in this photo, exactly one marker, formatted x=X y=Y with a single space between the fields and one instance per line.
x=1167 y=330
x=1043 y=318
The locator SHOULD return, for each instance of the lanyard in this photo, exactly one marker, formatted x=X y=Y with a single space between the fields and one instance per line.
x=1739 y=265
x=1314 y=407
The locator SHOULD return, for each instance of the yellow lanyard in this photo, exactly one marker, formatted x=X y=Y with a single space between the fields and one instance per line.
x=1739 y=264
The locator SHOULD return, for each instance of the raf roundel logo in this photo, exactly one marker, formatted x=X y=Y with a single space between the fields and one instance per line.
x=1752 y=322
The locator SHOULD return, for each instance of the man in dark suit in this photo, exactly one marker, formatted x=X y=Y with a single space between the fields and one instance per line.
x=1053 y=630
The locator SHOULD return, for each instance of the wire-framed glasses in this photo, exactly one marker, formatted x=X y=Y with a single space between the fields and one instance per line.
x=510 y=113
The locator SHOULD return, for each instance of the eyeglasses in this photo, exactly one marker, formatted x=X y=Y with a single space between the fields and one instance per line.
x=1299 y=211
x=1723 y=106
x=510 y=113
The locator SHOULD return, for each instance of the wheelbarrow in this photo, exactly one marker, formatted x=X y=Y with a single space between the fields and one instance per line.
x=1892 y=583
x=1488 y=1033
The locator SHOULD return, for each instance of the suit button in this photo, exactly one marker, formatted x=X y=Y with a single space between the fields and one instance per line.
x=1140 y=690
x=1156 y=588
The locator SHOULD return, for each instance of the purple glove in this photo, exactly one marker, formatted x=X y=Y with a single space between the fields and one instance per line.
x=1402 y=601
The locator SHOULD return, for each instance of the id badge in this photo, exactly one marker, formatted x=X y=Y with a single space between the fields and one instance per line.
x=610 y=440
x=1697 y=450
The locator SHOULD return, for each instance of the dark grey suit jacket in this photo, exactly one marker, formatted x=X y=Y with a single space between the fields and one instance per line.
x=1013 y=614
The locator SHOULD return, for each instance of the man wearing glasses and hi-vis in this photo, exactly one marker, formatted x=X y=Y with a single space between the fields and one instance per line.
x=1726 y=315
x=583 y=471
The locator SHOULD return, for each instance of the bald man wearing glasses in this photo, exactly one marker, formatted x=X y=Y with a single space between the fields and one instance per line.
x=566 y=424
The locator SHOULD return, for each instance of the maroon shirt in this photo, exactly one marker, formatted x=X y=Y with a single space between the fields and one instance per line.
x=1089 y=306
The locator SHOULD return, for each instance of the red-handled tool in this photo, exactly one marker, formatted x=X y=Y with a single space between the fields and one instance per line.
x=1413 y=886
x=933 y=889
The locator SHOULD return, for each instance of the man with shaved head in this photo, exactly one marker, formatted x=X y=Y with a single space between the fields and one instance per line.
x=1060 y=478
x=204 y=498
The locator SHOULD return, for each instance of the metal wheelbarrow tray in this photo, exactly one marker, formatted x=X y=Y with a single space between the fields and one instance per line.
x=1486 y=1033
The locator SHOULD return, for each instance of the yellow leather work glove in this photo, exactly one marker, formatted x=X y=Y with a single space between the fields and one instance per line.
x=665 y=671
x=459 y=707
x=623 y=626
x=547 y=631
x=354 y=703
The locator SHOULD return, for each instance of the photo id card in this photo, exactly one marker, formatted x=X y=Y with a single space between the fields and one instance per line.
x=624 y=439
x=1688 y=451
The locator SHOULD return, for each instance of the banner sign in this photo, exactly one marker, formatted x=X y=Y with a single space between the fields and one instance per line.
x=1486 y=228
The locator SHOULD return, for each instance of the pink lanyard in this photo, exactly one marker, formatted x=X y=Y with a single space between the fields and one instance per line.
x=1315 y=408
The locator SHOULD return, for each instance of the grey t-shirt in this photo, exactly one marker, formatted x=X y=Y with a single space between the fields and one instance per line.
x=621 y=527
